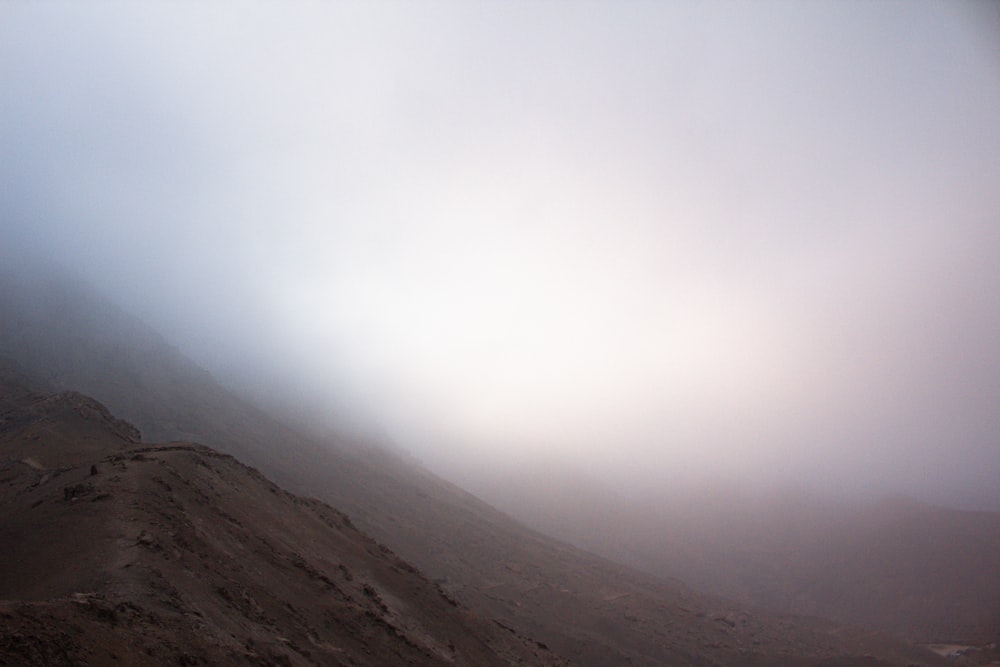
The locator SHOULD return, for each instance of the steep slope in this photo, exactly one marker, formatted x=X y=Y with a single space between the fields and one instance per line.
x=584 y=607
x=120 y=553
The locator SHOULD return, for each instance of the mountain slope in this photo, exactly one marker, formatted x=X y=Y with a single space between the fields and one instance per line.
x=927 y=573
x=117 y=552
x=584 y=607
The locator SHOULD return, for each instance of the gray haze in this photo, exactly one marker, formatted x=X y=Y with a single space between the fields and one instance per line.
x=655 y=242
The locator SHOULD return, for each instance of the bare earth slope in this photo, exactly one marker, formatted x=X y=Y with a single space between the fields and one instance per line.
x=583 y=607
x=176 y=554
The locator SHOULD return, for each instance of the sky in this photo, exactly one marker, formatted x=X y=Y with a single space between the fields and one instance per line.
x=651 y=241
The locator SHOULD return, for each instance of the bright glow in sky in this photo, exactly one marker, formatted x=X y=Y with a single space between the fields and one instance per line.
x=655 y=239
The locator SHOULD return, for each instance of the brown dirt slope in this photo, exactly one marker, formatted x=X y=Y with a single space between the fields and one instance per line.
x=119 y=553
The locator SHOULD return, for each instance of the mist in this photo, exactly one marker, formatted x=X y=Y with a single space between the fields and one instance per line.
x=650 y=243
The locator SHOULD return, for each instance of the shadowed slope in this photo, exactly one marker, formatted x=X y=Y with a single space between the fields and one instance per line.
x=176 y=554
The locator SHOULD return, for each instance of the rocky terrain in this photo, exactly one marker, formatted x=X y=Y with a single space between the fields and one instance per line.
x=118 y=552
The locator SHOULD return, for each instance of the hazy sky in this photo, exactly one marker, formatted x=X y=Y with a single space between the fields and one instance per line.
x=659 y=240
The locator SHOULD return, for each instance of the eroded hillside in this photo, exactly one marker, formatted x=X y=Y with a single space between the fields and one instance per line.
x=115 y=552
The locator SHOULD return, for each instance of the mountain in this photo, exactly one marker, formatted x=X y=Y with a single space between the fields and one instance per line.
x=120 y=552
x=930 y=574
x=583 y=607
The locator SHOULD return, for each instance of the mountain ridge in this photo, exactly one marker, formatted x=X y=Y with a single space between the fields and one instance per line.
x=118 y=551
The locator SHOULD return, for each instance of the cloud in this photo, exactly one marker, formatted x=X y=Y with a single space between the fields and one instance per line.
x=755 y=240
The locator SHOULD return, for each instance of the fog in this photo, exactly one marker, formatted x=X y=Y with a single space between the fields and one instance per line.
x=648 y=242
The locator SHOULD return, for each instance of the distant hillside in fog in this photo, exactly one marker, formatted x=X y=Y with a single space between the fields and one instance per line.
x=898 y=565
